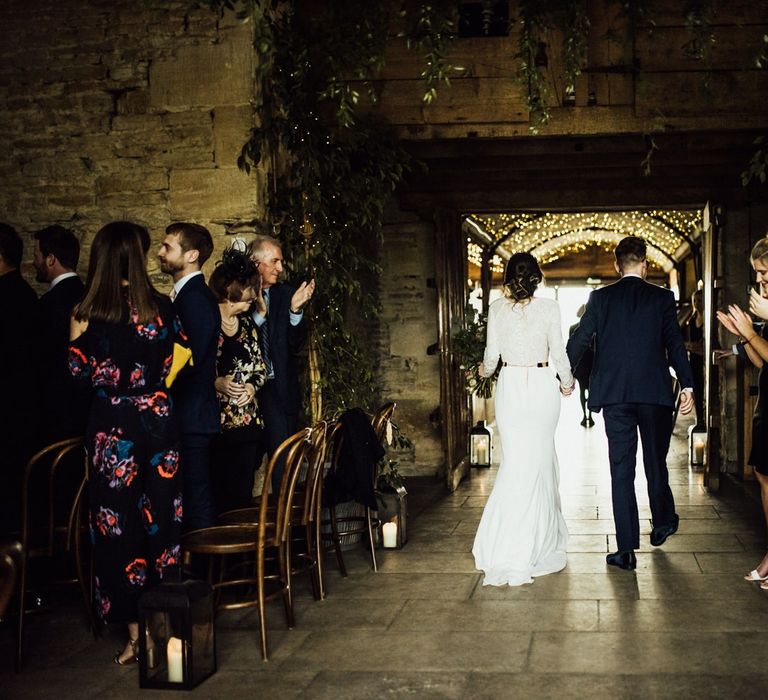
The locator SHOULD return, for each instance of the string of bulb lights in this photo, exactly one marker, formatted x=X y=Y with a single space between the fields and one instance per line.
x=550 y=236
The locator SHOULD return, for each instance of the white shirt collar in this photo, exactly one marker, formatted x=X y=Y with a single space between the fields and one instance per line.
x=178 y=286
x=61 y=277
x=632 y=274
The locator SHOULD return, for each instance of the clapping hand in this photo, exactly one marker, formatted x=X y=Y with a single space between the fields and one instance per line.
x=727 y=322
x=742 y=321
x=758 y=305
x=302 y=295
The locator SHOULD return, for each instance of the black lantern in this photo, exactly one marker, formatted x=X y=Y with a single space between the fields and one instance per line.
x=177 y=646
x=393 y=513
x=697 y=447
x=480 y=445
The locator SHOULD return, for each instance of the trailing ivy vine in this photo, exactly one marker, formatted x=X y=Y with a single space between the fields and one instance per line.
x=331 y=169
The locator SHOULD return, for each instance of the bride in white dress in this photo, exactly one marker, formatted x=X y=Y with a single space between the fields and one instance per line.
x=522 y=533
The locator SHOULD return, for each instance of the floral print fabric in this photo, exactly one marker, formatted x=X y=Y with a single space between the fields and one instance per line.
x=241 y=353
x=133 y=456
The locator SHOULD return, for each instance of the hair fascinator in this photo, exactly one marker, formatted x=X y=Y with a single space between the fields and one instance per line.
x=236 y=263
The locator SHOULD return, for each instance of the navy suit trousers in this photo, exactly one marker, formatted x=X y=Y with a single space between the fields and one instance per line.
x=195 y=458
x=654 y=423
x=278 y=425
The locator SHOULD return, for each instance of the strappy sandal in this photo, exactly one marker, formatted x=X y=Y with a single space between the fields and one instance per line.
x=764 y=585
x=133 y=659
x=754 y=576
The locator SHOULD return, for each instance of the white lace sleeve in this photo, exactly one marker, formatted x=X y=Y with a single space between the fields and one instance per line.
x=557 y=348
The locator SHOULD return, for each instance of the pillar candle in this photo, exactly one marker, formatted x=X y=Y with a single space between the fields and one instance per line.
x=698 y=452
x=175 y=665
x=389 y=532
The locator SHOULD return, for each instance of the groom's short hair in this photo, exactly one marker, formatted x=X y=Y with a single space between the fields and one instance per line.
x=630 y=251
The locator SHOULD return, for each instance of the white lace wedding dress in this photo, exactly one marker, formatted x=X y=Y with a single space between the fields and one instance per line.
x=522 y=533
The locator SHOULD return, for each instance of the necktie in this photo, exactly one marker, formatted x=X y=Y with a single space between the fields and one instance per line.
x=265 y=339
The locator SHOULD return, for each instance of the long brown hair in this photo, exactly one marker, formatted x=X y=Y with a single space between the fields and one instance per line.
x=118 y=255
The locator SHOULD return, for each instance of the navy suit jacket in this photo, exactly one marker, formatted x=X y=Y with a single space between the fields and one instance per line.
x=66 y=403
x=285 y=341
x=194 y=391
x=637 y=339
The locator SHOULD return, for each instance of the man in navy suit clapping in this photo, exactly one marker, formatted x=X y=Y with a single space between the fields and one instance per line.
x=637 y=339
x=184 y=251
x=282 y=333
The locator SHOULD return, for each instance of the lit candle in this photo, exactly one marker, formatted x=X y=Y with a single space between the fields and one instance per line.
x=482 y=453
x=389 y=532
x=175 y=665
x=698 y=452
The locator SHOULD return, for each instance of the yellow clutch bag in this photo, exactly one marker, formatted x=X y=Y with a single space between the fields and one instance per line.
x=181 y=356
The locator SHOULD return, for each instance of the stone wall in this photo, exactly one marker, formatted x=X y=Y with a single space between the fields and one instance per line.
x=408 y=326
x=124 y=110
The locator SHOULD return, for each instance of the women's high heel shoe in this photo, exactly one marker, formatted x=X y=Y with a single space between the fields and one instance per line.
x=755 y=576
x=134 y=659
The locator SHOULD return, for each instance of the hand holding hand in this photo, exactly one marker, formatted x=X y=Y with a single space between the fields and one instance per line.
x=566 y=390
x=721 y=354
x=302 y=295
x=686 y=402
x=727 y=322
x=758 y=305
x=742 y=321
x=230 y=388
x=246 y=396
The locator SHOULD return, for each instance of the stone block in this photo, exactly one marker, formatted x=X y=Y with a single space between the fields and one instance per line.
x=205 y=74
x=231 y=127
x=220 y=193
x=133 y=102
x=123 y=182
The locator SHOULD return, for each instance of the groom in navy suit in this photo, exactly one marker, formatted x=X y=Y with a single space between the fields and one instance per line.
x=184 y=251
x=637 y=339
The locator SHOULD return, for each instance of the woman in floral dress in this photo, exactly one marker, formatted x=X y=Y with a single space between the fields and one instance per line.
x=122 y=338
x=241 y=372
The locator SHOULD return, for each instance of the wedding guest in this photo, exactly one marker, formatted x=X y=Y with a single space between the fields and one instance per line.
x=184 y=251
x=282 y=333
x=581 y=373
x=63 y=404
x=754 y=344
x=240 y=370
x=122 y=336
x=694 y=344
x=18 y=303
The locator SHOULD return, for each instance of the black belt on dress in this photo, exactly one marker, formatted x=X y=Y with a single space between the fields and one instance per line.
x=538 y=364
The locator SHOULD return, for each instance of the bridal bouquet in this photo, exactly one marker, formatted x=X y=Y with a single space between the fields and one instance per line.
x=468 y=349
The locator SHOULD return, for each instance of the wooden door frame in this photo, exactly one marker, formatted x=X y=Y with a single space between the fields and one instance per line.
x=451 y=272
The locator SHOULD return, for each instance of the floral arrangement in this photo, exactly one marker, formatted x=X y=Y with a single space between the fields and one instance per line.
x=468 y=349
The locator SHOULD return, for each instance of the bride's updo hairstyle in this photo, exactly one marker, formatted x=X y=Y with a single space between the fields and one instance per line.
x=522 y=276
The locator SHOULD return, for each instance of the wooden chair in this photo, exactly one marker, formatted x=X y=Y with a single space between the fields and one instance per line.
x=268 y=534
x=366 y=522
x=10 y=560
x=303 y=539
x=45 y=531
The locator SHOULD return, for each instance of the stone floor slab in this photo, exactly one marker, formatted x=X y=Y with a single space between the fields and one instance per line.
x=565 y=586
x=675 y=614
x=345 y=685
x=427 y=651
x=498 y=615
x=647 y=652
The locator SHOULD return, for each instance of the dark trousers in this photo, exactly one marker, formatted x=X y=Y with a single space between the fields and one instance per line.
x=278 y=425
x=654 y=423
x=237 y=454
x=195 y=457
